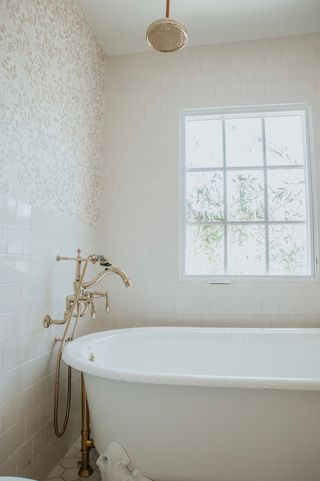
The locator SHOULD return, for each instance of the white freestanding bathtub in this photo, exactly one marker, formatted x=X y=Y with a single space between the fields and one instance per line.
x=198 y=404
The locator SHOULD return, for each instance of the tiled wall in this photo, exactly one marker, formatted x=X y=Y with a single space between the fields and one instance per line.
x=140 y=208
x=32 y=283
x=51 y=107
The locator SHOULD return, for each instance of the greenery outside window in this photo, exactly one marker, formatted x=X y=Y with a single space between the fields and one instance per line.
x=247 y=192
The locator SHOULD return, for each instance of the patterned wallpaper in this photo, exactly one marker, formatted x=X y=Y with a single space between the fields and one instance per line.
x=52 y=77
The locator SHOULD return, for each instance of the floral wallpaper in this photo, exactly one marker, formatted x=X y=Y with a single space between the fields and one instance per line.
x=52 y=77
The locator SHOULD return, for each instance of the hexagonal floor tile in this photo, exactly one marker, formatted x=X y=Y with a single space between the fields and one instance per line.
x=56 y=472
x=70 y=474
x=70 y=462
x=67 y=468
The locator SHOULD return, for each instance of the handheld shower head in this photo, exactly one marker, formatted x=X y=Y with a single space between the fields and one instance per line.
x=103 y=261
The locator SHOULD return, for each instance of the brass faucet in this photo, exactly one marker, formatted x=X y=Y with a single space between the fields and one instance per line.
x=85 y=297
x=77 y=305
x=108 y=270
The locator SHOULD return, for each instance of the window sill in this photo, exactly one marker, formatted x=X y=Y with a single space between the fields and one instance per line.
x=229 y=280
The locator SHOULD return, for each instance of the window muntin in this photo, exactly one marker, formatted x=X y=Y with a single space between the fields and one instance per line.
x=247 y=201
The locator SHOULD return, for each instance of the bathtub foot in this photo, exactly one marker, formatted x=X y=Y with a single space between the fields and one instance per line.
x=113 y=465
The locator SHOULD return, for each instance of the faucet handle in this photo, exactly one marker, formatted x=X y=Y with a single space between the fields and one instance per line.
x=107 y=303
x=93 y=310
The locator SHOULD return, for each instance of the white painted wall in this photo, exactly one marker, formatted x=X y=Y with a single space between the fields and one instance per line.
x=140 y=206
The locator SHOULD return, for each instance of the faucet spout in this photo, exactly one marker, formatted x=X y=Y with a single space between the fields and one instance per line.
x=95 y=280
x=119 y=272
x=101 y=275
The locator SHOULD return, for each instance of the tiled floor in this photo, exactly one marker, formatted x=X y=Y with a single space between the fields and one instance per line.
x=67 y=468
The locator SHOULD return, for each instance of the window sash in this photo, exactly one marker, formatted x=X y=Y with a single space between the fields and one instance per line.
x=264 y=168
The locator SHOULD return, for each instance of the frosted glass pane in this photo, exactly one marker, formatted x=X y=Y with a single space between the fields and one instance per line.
x=204 y=250
x=203 y=143
x=204 y=197
x=284 y=140
x=288 y=249
x=244 y=142
x=245 y=195
x=246 y=249
x=286 y=195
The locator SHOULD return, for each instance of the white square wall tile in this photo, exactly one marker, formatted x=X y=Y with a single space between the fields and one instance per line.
x=3 y=243
x=15 y=237
x=8 y=210
x=28 y=266
x=7 y=269
x=10 y=298
x=37 y=218
x=143 y=214
x=5 y=387
x=24 y=456
x=24 y=213
x=11 y=354
x=9 y=414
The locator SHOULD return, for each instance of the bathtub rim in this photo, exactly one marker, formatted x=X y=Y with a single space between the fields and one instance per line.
x=72 y=357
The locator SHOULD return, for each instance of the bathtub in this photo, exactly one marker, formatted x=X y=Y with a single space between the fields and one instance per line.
x=198 y=404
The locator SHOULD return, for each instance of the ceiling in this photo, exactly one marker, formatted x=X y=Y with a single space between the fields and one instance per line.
x=120 y=25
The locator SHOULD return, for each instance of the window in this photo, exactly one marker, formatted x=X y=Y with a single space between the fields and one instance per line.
x=246 y=193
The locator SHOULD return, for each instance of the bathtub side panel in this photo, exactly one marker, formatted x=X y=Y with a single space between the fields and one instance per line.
x=182 y=433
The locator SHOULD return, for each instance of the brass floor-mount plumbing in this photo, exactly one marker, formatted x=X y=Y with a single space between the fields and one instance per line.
x=77 y=305
x=87 y=442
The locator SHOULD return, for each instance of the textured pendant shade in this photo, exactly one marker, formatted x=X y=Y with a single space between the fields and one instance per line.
x=167 y=35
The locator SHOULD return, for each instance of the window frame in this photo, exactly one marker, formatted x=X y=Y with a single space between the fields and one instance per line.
x=246 y=112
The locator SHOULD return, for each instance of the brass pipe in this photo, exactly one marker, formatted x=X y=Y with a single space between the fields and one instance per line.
x=47 y=321
x=168 y=9
x=73 y=309
x=87 y=443
x=60 y=432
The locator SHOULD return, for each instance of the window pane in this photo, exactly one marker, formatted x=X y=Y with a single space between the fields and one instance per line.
x=288 y=249
x=244 y=142
x=203 y=143
x=245 y=192
x=204 y=250
x=284 y=140
x=204 y=197
x=286 y=195
x=245 y=179
x=246 y=249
